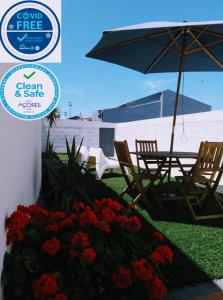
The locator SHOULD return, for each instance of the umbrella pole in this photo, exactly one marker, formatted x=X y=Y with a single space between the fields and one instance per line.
x=181 y=64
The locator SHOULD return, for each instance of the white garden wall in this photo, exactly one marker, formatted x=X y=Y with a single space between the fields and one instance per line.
x=89 y=131
x=20 y=165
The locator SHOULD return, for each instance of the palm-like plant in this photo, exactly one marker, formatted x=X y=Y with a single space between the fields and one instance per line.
x=51 y=119
x=65 y=179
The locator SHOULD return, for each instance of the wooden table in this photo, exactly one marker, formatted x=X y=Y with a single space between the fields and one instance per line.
x=163 y=157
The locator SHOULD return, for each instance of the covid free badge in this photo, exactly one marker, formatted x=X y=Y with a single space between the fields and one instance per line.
x=30 y=31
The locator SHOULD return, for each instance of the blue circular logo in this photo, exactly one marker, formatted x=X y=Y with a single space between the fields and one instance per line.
x=30 y=31
x=29 y=91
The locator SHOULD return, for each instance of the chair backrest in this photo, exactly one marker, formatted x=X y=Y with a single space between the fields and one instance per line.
x=125 y=162
x=123 y=155
x=84 y=154
x=146 y=145
x=209 y=161
x=98 y=154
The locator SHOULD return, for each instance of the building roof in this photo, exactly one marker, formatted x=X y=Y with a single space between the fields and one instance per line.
x=155 y=97
x=153 y=106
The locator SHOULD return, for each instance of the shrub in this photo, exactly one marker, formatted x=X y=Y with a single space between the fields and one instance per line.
x=95 y=252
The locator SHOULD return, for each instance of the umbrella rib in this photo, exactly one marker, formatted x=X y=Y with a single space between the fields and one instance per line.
x=167 y=47
x=198 y=36
x=157 y=59
x=146 y=37
x=206 y=45
x=175 y=40
x=209 y=32
x=206 y=50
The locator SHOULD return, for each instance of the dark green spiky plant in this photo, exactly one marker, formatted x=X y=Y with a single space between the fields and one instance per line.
x=66 y=179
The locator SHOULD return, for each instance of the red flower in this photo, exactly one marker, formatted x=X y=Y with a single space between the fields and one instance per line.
x=45 y=285
x=143 y=270
x=80 y=238
x=15 y=225
x=158 y=235
x=51 y=247
x=52 y=228
x=123 y=220
x=108 y=215
x=68 y=222
x=79 y=207
x=157 y=289
x=57 y=216
x=122 y=278
x=73 y=217
x=162 y=254
x=89 y=255
x=134 y=224
x=107 y=203
x=87 y=218
x=103 y=226
x=131 y=206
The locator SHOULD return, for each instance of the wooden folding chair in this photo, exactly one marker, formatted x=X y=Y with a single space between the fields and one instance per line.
x=132 y=179
x=145 y=146
x=203 y=179
x=151 y=165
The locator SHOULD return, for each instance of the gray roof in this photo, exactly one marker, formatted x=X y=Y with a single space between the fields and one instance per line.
x=150 y=107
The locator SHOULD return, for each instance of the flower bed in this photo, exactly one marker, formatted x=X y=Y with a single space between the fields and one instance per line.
x=93 y=253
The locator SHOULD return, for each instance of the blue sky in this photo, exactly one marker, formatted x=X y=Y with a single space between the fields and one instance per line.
x=92 y=84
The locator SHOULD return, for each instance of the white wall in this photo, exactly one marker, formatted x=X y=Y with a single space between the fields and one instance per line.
x=89 y=131
x=20 y=165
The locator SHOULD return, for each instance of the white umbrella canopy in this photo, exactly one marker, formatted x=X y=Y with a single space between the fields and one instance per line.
x=158 y=47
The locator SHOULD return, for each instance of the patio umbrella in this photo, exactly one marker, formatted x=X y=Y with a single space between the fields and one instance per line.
x=159 y=47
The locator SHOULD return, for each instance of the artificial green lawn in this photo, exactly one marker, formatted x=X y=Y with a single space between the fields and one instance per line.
x=198 y=247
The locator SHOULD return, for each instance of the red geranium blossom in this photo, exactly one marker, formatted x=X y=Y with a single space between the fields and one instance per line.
x=134 y=224
x=80 y=238
x=158 y=235
x=79 y=207
x=67 y=222
x=162 y=254
x=52 y=228
x=15 y=225
x=122 y=278
x=143 y=270
x=89 y=255
x=157 y=289
x=45 y=285
x=87 y=218
x=57 y=216
x=51 y=247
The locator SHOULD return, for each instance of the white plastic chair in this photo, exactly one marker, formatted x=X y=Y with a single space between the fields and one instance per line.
x=84 y=156
x=102 y=162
